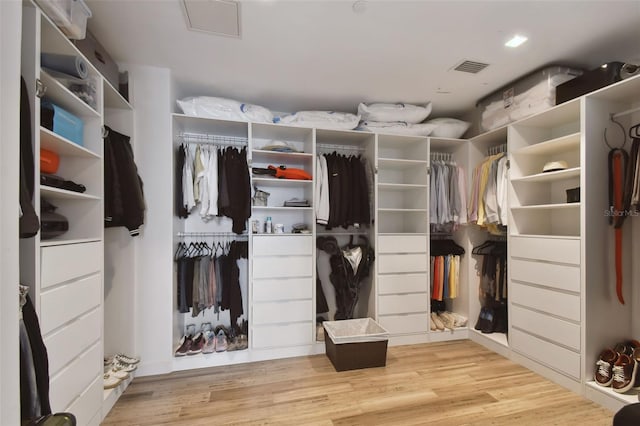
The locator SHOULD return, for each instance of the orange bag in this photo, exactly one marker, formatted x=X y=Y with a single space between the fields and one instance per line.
x=49 y=161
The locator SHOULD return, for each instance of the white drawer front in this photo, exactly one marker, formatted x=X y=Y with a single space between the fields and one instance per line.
x=549 y=249
x=398 y=263
x=282 y=312
x=282 y=267
x=400 y=324
x=68 y=342
x=546 y=353
x=89 y=402
x=554 y=329
x=402 y=244
x=404 y=304
x=269 y=245
x=66 y=262
x=405 y=283
x=560 y=304
x=282 y=289
x=62 y=304
x=75 y=378
x=273 y=336
x=562 y=277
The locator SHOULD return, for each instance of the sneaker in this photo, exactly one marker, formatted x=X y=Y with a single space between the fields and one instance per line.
x=319 y=332
x=126 y=359
x=447 y=319
x=185 y=344
x=196 y=344
x=110 y=381
x=221 y=341
x=432 y=326
x=636 y=358
x=244 y=342
x=124 y=367
x=603 y=375
x=623 y=348
x=460 y=320
x=436 y=321
x=117 y=372
x=624 y=374
x=209 y=343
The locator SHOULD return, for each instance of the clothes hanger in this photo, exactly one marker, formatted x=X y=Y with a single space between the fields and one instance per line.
x=624 y=134
x=634 y=131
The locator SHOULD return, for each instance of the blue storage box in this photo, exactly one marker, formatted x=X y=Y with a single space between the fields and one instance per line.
x=61 y=122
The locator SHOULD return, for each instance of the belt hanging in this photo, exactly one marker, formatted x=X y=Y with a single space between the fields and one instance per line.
x=618 y=159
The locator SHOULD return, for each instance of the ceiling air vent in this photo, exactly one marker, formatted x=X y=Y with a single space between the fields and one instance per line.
x=221 y=17
x=471 y=67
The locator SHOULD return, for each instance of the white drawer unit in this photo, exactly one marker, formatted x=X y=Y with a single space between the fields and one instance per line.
x=282 y=289
x=561 y=277
x=555 y=329
x=66 y=262
x=403 y=304
x=282 y=312
x=402 y=244
x=556 y=357
x=405 y=324
x=399 y=263
x=282 y=335
x=88 y=403
x=402 y=283
x=279 y=245
x=548 y=249
x=553 y=302
x=64 y=303
x=282 y=267
x=68 y=342
x=69 y=383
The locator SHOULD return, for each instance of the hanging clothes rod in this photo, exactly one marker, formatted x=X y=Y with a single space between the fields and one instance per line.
x=322 y=148
x=626 y=112
x=211 y=234
x=498 y=149
x=220 y=140
x=441 y=156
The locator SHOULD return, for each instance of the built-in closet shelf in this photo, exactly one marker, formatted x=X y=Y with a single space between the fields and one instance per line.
x=111 y=396
x=267 y=208
x=398 y=164
x=61 y=96
x=62 y=242
x=550 y=176
x=568 y=112
x=499 y=338
x=113 y=98
x=62 y=194
x=383 y=210
x=63 y=146
x=400 y=186
x=626 y=398
x=212 y=126
x=285 y=234
x=275 y=182
x=560 y=206
x=280 y=157
x=402 y=234
x=553 y=146
x=547 y=236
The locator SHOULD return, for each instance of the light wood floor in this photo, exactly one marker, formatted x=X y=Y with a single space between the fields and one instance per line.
x=455 y=383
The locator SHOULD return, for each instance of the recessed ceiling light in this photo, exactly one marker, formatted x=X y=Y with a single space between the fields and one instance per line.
x=516 y=41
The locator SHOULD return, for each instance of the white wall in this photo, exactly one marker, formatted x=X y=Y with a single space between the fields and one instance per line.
x=151 y=95
x=10 y=37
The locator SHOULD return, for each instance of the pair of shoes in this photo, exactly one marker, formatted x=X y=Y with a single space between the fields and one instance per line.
x=221 y=340
x=435 y=320
x=190 y=345
x=209 y=342
x=122 y=358
x=618 y=367
x=110 y=381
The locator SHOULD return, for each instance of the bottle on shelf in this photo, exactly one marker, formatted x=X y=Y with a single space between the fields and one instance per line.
x=268 y=227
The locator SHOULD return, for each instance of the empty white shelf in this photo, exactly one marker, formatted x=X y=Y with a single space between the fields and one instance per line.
x=400 y=186
x=113 y=98
x=547 y=207
x=281 y=208
x=394 y=163
x=553 y=146
x=63 y=194
x=61 y=241
x=63 y=146
x=402 y=210
x=550 y=176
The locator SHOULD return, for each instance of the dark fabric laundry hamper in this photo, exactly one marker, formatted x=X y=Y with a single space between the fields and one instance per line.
x=351 y=351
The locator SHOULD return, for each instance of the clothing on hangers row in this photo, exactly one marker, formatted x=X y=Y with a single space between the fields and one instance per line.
x=208 y=277
x=493 y=274
x=342 y=190
x=447 y=195
x=488 y=205
x=217 y=179
x=445 y=277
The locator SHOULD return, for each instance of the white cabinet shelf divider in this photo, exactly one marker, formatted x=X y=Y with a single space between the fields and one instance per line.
x=553 y=146
x=280 y=156
x=394 y=163
x=113 y=98
x=403 y=210
x=64 y=98
x=400 y=186
x=550 y=176
x=280 y=182
x=63 y=194
x=60 y=242
x=547 y=207
x=281 y=208
x=63 y=146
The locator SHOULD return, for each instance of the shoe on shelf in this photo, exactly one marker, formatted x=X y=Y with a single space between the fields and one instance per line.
x=221 y=341
x=209 y=342
x=436 y=321
x=624 y=374
x=604 y=366
x=447 y=319
x=623 y=348
x=490 y=321
x=124 y=367
x=432 y=326
x=636 y=358
x=196 y=345
x=319 y=332
x=116 y=372
x=232 y=340
x=460 y=320
x=110 y=381
x=482 y=319
x=185 y=345
x=126 y=359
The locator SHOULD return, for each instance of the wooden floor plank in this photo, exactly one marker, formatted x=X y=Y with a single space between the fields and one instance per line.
x=449 y=383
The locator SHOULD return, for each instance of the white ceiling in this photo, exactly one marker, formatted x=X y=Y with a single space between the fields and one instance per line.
x=296 y=55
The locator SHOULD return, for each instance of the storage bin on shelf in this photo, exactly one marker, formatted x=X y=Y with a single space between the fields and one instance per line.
x=61 y=122
x=70 y=15
x=528 y=95
x=356 y=343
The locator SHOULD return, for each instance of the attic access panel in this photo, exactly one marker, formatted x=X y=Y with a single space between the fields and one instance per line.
x=221 y=17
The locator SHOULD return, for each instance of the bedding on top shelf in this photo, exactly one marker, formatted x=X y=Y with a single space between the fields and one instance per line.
x=321 y=119
x=225 y=109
